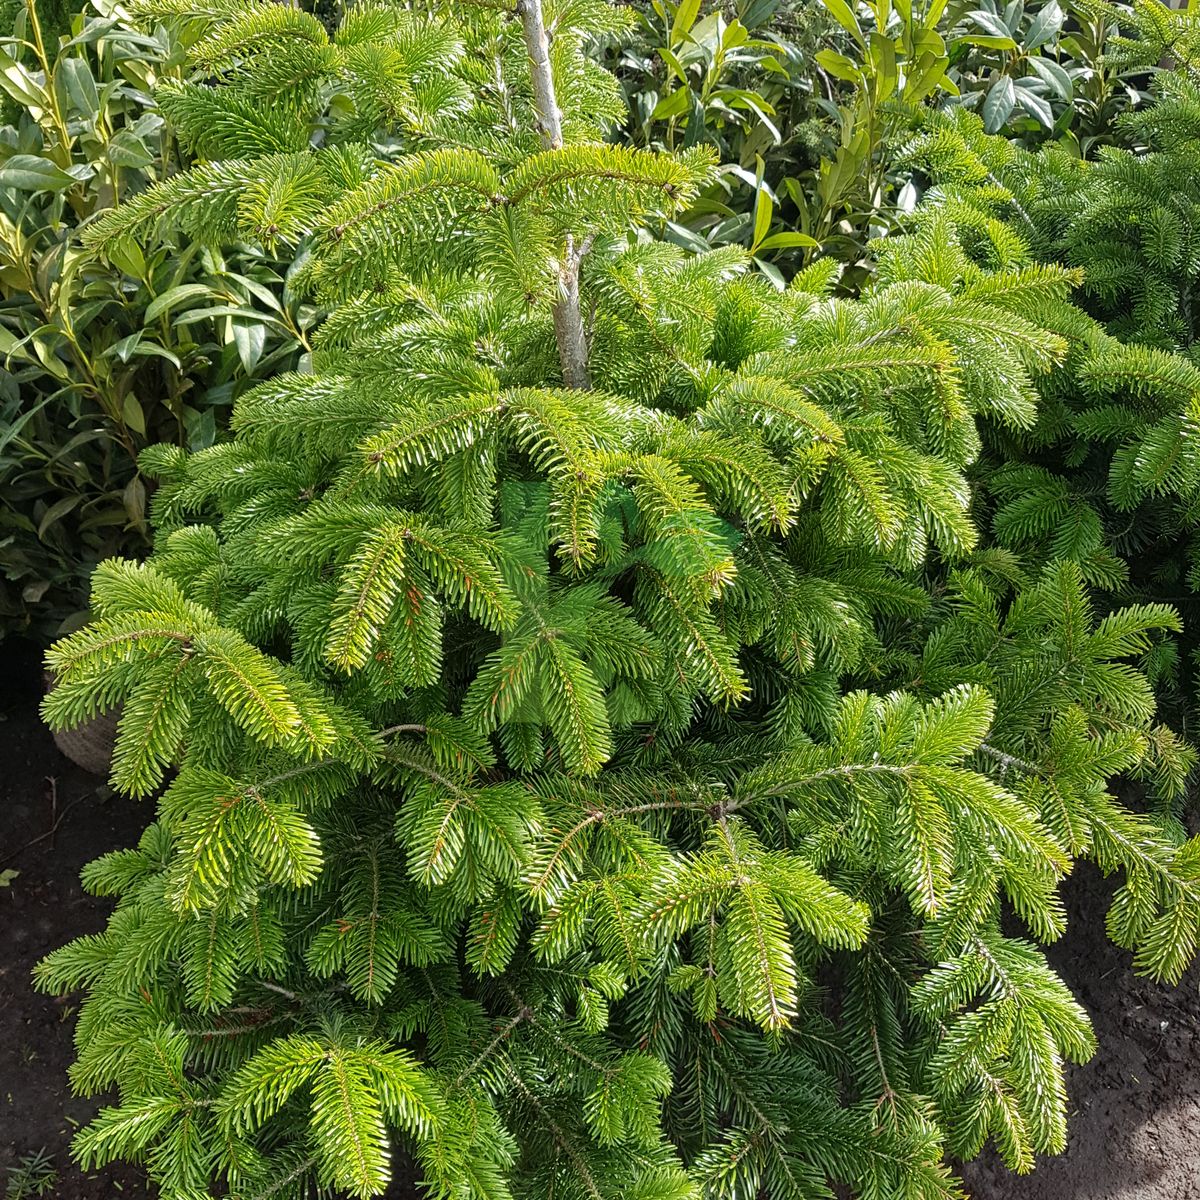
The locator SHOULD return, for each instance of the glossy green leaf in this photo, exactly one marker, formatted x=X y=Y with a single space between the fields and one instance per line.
x=840 y=66
x=843 y=14
x=32 y=173
x=175 y=296
x=991 y=24
x=56 y=512
x=988 y=41
x=127 y=150
x=1045 y=26
x=675 y=104
x=685 y=18
x=998 y=104
x=1052 y=74
x=1036 y=106
x=79 y=84
x=764 y=206
x=20 y=84
x=788 y=241
x=133 y=414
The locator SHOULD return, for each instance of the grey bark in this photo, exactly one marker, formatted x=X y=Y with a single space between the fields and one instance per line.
x=568 y=315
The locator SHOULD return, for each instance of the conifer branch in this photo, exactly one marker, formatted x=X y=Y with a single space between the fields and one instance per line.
x=561 y=1139
x=565 y=596
x=501 y=1036
x=1007 y=760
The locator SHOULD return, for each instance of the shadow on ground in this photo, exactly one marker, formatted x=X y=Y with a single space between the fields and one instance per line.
x=1135 y=1125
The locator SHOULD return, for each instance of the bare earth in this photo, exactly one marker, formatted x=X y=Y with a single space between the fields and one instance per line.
x=1135 y=1125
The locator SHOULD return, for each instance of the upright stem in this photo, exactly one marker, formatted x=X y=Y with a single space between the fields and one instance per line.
x=63 y=149
x=538 y=45
x=568 y=316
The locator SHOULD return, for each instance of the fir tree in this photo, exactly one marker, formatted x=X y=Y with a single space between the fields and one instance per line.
x=1109 y=475
x=548 y=689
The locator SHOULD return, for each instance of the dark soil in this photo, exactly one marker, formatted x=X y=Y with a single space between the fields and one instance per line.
x=1135 y=1108
x=40 y=909
x=1135 y=1126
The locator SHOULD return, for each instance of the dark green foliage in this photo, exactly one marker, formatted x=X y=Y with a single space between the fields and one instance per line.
x=1045 y=72
x=741 y=79
x=100 y=358
x=606 y=792
x=56 y=17
x=809 y=104
x=1109 y=476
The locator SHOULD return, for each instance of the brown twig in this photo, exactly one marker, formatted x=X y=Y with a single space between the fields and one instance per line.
x=41 y=837
x=53 y=782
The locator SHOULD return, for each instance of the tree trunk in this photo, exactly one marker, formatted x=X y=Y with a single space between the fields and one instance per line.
x=568 y=316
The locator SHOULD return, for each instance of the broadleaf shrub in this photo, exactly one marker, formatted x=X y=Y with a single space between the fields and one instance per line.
x=101 y=357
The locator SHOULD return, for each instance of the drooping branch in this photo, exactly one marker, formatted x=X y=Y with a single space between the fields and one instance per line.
x=568 y=315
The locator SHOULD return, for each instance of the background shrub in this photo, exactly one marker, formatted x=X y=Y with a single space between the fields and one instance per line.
x=99 y=358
